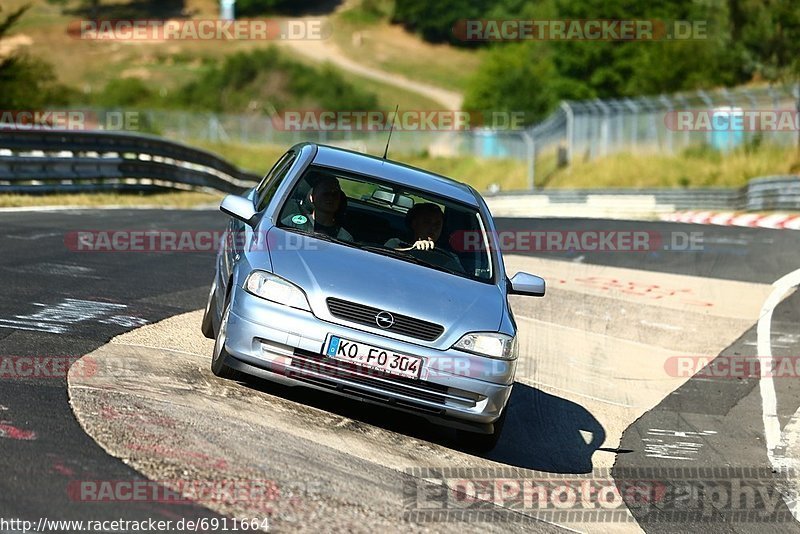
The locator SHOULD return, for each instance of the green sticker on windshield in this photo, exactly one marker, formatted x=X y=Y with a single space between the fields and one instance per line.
x=299 y=219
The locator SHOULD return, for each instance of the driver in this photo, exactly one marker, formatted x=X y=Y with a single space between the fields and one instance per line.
x=426 y=221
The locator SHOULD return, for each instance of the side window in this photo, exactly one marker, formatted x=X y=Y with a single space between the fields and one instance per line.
x=262 y=185
x=267 y=188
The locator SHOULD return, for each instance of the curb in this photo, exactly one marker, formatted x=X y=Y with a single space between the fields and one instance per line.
x=777 y=221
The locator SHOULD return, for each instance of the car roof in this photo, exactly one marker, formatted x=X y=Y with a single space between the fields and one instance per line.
x=393 y=171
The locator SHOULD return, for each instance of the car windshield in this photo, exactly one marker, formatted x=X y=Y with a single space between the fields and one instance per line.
x=383 y=218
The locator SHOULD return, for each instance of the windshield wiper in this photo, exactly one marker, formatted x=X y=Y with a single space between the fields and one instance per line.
x=413 y=259
x=394 y=254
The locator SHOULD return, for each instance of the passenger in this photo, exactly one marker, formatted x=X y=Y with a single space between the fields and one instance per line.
x=426 y=221
x=323 y=209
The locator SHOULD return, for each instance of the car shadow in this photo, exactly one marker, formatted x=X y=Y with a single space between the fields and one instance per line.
x=542 y=431
x=547 y=433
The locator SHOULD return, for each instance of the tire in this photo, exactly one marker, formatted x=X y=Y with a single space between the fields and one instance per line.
x=207 y=327
x=483 y=442
x=218 y=366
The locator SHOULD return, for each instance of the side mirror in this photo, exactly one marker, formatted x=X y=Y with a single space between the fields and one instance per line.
x=239 y=207
x=527 y=284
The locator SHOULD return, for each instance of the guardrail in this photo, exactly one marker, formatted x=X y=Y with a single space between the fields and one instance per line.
x=47 y=161
x=760 y=194
x=773 y=193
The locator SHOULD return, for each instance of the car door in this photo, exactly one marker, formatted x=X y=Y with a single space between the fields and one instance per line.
x=240 y=234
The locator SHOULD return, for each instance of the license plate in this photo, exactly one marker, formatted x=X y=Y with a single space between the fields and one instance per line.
x=374 y=357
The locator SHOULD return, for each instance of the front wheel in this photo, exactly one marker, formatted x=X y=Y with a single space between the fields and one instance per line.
x=207 y=327
x=218 y=366
x=483 y=442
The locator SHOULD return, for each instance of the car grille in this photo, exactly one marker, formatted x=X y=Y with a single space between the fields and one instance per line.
x=407 y=326
x=335 y=374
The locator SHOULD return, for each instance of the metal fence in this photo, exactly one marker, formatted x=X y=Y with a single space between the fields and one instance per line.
x=258 y=128
x=577 y=131
x=589 y=129
x=601 y=127
x=68 y=161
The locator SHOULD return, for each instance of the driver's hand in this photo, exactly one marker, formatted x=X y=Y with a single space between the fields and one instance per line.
x=422 y=244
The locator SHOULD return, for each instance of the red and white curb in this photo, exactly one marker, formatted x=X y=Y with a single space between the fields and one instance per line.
x=776 y=220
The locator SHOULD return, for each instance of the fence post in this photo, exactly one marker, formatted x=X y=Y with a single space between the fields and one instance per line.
x=619 y=125
x=213 y=135
x=796 y=91
x=684 y=102
x=605 y=133
x=667 y=131
x=570 y=130
x=634 y=109
x=709 y=108
x=182 y=128
x=530 y=143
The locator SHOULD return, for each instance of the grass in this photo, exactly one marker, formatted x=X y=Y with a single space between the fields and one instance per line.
x=693 y=168
x=479 y=173
x=177 y=199
x=509 y=174
x=255 y=158
x=390 y=96
x=372 y=41
x=89 y=65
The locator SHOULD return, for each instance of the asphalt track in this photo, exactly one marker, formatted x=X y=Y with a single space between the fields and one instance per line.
x=719 y=421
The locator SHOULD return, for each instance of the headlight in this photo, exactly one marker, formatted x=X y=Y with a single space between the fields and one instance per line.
x=489 y=344
x=271 y=287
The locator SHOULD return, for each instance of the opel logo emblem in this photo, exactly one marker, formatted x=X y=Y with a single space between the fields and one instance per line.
x=384 y=319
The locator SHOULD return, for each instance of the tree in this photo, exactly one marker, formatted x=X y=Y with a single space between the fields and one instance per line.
x=517 y=77
x=90 y=7
x=434 y=20
x=769 y=31
x=27 y=82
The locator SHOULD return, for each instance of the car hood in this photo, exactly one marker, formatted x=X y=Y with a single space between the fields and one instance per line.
x=324 y=269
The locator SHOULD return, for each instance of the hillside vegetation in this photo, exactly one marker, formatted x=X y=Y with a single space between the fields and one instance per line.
x=732 y=42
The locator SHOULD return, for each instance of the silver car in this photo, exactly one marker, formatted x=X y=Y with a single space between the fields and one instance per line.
x=372 y=280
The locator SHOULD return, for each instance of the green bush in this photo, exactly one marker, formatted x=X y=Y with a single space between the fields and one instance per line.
x=521 y=77
x=125 y=92
x=744 y=40
x=369 y=11
x=265 y=79
x=434 y=20
x=27 y=82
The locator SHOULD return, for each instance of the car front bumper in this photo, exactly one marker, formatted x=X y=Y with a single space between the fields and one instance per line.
x=286 y=345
